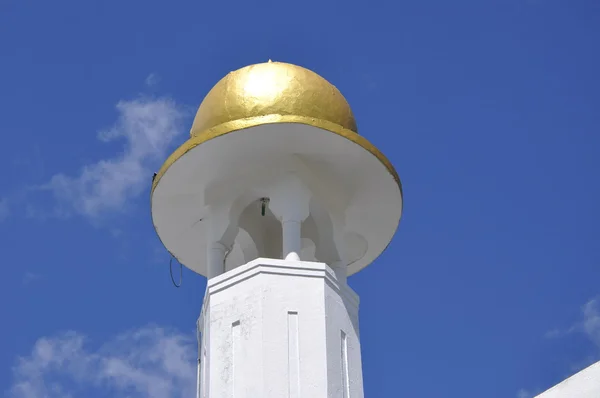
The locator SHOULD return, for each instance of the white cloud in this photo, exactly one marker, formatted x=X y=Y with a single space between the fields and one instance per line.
x=524 y=394
x=4 y=209
x=148 y=127
x=591 y=320
x=589 y=325
x=528 y=393
x=29 y=277
x=150 y=362
x=558 y=333
x=152 y=80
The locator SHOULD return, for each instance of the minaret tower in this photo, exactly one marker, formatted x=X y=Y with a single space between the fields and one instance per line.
x=276 y=199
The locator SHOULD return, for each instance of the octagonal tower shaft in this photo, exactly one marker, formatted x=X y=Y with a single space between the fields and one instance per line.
x=279 y=328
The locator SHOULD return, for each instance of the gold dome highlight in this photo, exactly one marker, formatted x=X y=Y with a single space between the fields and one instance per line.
x=272 y=88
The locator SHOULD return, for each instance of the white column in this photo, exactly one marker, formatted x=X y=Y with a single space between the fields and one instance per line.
x=292 y=240
x=340 y=269
x=290 y=201
x=220 y=234
x=216 y=259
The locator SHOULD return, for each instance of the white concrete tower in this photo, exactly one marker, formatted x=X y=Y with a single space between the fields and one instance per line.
x=276 y=199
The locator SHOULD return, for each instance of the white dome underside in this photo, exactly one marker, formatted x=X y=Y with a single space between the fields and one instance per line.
x=347 y=180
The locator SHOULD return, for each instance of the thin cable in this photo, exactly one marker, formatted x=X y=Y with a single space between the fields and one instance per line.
x=225 y=258
x=180 y=273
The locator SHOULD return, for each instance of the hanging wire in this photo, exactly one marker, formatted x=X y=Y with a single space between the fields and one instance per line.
x=225 y=256
x=180 y=273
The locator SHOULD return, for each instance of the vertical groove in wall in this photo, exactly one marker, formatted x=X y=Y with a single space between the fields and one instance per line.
x=198 y=379
x=203 y=385
x=345 y=376
x=236 y=369
x=293 y=356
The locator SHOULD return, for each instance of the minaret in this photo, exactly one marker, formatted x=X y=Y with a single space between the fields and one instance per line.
x=276 y=199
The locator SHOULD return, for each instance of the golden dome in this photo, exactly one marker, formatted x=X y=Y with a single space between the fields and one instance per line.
x=267 y=93
x=269 y=89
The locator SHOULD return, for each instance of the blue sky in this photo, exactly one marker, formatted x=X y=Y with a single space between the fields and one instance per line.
x=488 y=110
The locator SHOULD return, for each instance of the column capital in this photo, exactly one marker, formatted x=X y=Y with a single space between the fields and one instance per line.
x=290 y=198
x=290 y=202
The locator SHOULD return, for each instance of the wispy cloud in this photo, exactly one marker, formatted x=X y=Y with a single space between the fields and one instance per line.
x=558 y=333
x=29 y=277
x=525 y=394
x=152 y=80
x=591 y=320
x=589 y=324
x=529 y=393
x=4 y=209
x=147 y=127
x=150 y=362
